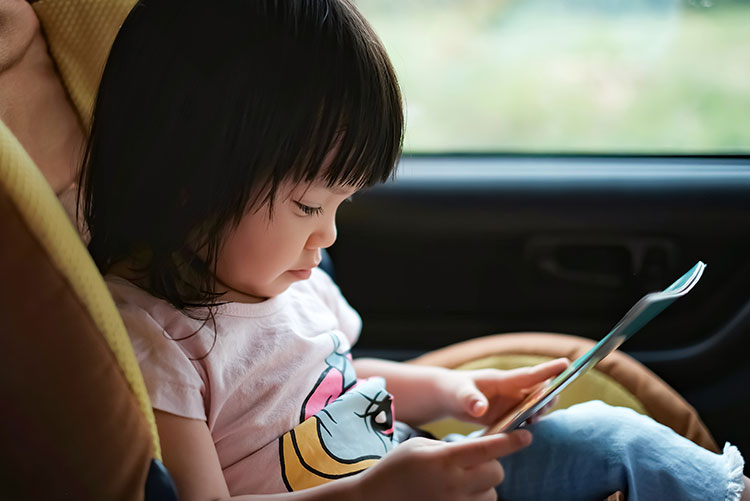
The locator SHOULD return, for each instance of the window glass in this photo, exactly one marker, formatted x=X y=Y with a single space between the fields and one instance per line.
x=571 y=76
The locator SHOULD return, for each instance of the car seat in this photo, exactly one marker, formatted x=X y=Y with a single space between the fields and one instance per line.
x=77 y=420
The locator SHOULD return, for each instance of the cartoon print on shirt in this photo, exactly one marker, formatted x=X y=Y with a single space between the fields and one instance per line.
x=338 y=377
x=341 y=433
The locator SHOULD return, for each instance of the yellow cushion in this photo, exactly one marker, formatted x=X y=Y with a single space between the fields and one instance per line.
x=590 y=386
x=80 y=34
x=37 y=204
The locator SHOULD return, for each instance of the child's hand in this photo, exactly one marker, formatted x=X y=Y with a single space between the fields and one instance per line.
x=429 y=469
x=484 y=396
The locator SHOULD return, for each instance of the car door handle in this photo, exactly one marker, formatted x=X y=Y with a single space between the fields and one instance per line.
x=602 y=261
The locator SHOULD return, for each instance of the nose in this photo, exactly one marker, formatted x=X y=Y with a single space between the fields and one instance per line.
x=324 y=236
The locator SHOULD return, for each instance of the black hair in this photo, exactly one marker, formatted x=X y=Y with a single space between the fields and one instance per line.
x=206 y=106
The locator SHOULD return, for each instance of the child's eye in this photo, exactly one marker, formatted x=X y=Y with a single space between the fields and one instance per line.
x=309 y=211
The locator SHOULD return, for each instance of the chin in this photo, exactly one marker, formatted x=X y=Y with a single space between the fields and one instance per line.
x=280 y=287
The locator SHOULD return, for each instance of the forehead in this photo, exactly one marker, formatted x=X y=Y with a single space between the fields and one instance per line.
x=321 y=187
x=341 y=189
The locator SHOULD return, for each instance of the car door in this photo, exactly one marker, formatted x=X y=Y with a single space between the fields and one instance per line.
x=570 y=215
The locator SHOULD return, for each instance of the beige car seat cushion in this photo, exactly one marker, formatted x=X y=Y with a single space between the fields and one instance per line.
x=72 y=427
x=45 y=221
x=628 y=377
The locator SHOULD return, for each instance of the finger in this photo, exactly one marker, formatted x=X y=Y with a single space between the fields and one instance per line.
x=548 y=406
x=535 y=418
x=535 y=388
x=474 y=451
x=544 y=410
x=421 y=443
x=473 y=401
x=476 y=404
x=550 y=368
x=529 y=376
x=484 y=476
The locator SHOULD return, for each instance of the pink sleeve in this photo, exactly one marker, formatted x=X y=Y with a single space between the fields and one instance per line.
x=350 y=322
x=173 y=383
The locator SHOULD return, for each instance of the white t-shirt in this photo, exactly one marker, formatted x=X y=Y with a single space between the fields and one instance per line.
x=277 y=390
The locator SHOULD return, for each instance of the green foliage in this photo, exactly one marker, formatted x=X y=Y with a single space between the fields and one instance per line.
x=649 y=76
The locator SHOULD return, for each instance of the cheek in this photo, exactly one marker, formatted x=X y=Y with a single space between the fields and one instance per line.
x=259 y=252
x=246 y=255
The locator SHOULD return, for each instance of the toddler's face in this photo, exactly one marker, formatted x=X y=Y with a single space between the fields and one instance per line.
x=265 y=255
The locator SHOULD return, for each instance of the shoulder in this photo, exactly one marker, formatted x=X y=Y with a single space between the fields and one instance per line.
x=321 y=278
x=322 y=284
x=329 y=293
x=128 y=297
x=165 y=342
x=152 y=322
x=134 y=302
x=126 y=292
x=324 y=289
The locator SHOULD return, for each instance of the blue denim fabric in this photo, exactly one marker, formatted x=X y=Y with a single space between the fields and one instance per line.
x=591 y=450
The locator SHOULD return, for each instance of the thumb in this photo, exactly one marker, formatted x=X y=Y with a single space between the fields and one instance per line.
x=474 y=451
x=473 y=401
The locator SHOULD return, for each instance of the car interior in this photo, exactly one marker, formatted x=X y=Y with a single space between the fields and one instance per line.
x=474 y=255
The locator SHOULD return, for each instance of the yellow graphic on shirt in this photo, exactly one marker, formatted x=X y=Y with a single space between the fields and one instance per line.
x=306 y=463
x=347 y=436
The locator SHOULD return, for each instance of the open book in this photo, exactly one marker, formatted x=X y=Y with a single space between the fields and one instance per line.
x=641 y=313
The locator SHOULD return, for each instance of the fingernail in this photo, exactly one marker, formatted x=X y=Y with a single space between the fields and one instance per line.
x=478 y=406
x=525 y=436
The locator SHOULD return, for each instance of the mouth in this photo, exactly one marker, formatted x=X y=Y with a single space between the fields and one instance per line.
x=302 y=274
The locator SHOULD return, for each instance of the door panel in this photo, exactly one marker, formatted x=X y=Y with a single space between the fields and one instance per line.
x=464 y=246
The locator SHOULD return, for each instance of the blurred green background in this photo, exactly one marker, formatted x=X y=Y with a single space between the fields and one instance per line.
x=557 y=76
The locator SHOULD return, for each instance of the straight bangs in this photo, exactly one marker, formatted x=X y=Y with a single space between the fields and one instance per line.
x=349 y=121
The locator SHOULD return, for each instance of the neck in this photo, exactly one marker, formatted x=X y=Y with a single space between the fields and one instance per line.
x=236 y=296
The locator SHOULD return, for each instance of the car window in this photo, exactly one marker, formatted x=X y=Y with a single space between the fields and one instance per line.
x=571 y=76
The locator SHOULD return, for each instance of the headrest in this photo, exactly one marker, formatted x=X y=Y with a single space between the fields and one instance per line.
x=80 y=34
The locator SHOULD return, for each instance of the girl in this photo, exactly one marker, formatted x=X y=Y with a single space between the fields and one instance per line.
x=226 y=134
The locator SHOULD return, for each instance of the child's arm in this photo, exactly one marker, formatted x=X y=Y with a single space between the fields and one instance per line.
x=417 y=469
x=413 y=387
x=423 y=394
x=190 y=457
